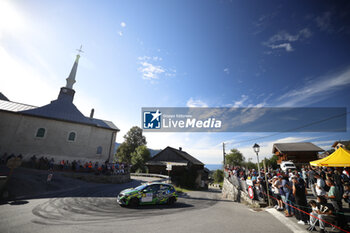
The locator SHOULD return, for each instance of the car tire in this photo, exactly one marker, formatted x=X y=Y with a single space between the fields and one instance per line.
x=171 y=201
x=134 y=202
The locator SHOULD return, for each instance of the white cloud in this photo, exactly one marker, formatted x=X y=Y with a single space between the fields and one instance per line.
x=320 y=87
x=227 y=70
x=123 y=24
x=239 y=103
x=287 y=46
x=151 y=70
x=284 y=40
x=196 y=103
x=120 y=33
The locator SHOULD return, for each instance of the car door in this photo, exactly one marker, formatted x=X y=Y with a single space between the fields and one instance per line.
x=163 y=193
x=149 y=194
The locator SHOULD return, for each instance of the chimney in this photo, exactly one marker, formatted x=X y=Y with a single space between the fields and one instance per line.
x=92 y=113
x=180 y=148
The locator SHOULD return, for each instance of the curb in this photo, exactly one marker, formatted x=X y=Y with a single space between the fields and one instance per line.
x=294 y=227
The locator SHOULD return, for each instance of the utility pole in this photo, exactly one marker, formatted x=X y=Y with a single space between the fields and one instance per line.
x=224 y=154
x=267 y=185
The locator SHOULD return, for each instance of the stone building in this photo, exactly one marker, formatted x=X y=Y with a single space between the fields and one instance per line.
x=57 y=130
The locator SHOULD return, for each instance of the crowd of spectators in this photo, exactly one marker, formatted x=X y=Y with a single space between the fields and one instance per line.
x=330 y=188
x=44 y=163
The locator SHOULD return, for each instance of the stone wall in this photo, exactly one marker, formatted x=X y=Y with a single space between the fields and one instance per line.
x=18 y=136
x=231 y=192
x=114 y=179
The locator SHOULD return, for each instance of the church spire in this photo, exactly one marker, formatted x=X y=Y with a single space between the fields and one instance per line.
x=73 y=72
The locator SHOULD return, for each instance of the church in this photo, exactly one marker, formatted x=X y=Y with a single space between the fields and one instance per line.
x=57 y=130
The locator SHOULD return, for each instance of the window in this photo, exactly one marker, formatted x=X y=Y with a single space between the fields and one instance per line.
x=40 y=133
x=71 y=136
x=99 y=150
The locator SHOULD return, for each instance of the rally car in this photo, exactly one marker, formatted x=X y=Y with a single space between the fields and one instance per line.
x=149 y=193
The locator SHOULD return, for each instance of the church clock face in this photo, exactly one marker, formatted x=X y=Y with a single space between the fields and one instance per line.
x=64 y=90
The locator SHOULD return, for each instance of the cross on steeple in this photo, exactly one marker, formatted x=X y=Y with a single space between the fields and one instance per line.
x=79 y=50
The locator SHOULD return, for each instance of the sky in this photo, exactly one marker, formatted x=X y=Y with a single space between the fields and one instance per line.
x=181 y=54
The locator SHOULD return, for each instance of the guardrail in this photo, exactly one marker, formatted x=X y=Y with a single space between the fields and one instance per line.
x=150 y=175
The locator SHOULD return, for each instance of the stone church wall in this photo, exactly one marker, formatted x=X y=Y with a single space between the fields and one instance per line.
x=18 y=136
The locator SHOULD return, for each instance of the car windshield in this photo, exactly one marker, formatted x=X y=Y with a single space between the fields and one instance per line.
x=139 y=188
x=289 y=165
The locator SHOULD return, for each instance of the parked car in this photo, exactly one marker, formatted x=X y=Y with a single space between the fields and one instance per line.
x=149 y=193
x=285 y=165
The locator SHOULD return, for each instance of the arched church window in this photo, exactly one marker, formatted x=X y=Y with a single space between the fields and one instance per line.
x=71 y=136
x=40 y=133
x=99 y=150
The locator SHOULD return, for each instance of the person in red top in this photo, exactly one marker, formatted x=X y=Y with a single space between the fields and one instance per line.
x=61 y=164
x=90 y=166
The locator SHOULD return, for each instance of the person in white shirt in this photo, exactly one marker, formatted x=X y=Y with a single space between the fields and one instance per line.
x=320 y=184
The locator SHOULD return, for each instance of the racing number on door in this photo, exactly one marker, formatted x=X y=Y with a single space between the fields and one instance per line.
x=147 y=197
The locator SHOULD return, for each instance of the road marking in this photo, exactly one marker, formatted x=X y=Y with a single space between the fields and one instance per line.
x=286 y=221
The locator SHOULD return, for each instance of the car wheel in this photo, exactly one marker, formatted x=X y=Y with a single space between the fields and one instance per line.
x=134 y=202
x=171 y=201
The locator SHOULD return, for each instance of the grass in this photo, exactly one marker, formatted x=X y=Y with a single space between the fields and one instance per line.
x=221 y=184
x=181 y=190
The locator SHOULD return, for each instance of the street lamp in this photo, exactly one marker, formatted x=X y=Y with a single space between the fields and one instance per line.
x=256 y=148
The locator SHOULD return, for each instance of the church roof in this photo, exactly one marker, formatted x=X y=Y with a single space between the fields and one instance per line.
x=63 y=109
x=13 y=106
x=3 y=97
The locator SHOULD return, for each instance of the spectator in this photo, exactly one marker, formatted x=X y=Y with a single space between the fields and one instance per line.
x=276 y=184
x=62 y=165
x=319 y=186
x=323 y=211
x=312 y=181
x=346 y=194
x=287 y=189
x=299 y=192
x=336 y=200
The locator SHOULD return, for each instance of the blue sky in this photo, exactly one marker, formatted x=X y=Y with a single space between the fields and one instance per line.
x=178 y=54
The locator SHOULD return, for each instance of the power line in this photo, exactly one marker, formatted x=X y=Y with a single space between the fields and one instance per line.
x=290 y=130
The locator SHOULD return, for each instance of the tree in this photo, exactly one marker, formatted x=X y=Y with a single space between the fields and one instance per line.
x=234 y=158
x=218 y=176
x=250 y=165
x=124 y=153
x=139 y=158
x=132 y=139
x=272 y=162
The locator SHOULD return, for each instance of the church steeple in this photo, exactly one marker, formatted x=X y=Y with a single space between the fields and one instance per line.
x=67 y=92
x=73 y=72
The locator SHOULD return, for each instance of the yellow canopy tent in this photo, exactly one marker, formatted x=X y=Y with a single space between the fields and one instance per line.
x=339 y=158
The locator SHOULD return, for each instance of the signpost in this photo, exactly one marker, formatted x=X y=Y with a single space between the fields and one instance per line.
x=169 y=168
x=250 y=188
x=251 y=192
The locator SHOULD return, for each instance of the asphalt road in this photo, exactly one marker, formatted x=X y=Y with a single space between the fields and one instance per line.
x=93 y=208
